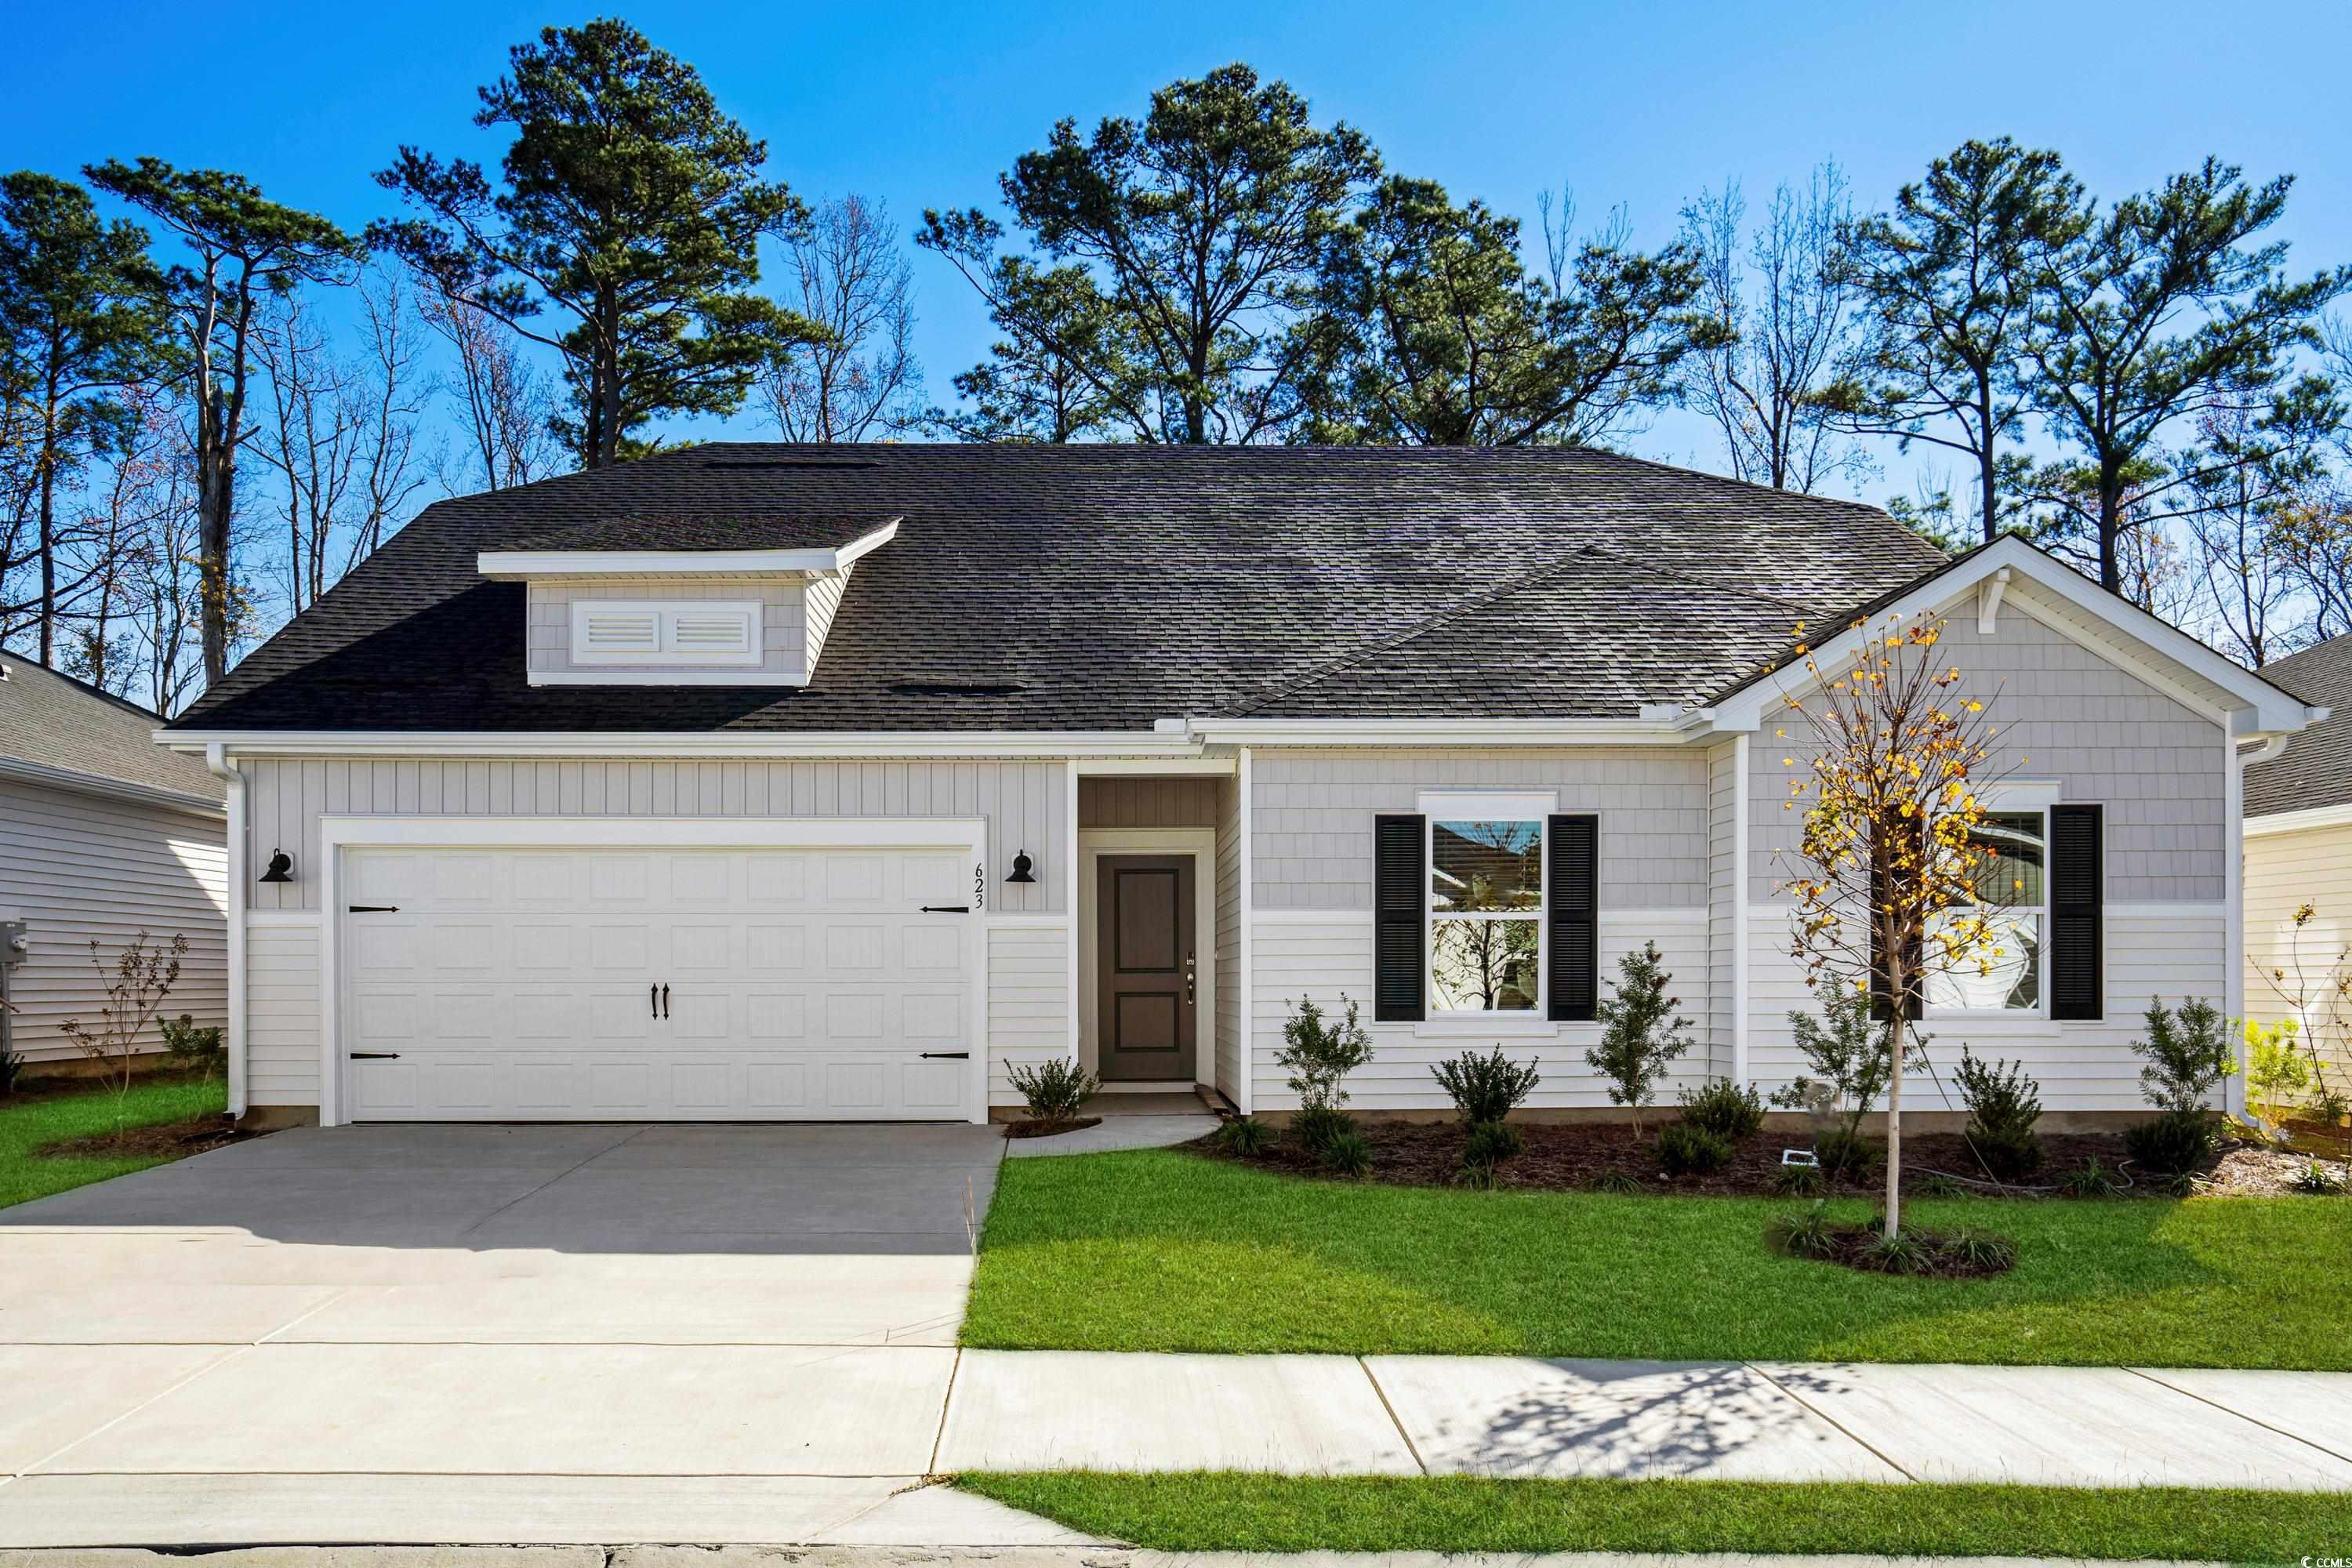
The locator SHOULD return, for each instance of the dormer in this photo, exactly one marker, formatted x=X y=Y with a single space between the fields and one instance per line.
x=685 y=600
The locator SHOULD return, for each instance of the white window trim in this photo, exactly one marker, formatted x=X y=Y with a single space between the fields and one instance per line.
x=668 y=654
x=2018 y=797
x=1475 y=806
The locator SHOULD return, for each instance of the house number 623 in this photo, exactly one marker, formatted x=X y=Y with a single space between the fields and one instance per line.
x=980 y=885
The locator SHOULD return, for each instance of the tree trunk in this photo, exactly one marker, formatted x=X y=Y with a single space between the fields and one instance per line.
x=48 y=543
x=1986 y=467
x=1902 y=1031
x=2111 y=532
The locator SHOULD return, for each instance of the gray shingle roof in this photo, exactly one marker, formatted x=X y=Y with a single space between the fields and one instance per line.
x=2316 y=769
x=1037 y=587
x=677 y=531
x=55 y=721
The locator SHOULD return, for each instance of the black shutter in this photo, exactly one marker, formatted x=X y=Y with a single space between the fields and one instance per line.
x=1574 y=885
x=1400 y=905
x=2078 y=882
x=1881 y=983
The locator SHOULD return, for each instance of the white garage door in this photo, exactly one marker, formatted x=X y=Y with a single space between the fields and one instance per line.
x=624 y=984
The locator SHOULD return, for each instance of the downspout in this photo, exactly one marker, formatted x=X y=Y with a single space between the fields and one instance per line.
x=232 y=781
x=2233 y=893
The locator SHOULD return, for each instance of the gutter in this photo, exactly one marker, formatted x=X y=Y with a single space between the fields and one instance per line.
x=233 y=780
x=113 y=789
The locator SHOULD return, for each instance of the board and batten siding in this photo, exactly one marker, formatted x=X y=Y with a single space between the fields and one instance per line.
x=1023 y=801
x=1311 y=846
x=78 y=865
x=2064 y=713
x=1328 y=956
x=2283 y=872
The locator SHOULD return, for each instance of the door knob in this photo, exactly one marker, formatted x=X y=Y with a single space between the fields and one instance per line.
x=1191 y=974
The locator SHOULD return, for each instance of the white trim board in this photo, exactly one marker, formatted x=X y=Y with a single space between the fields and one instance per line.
x=338 y=833
x=505 y=566
x=105 y=788
x=2306 y=820
x=1201 y=844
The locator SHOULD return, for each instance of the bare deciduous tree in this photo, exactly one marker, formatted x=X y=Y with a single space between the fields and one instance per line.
x=1781 y=337
x=507 y=403
x=846 y=272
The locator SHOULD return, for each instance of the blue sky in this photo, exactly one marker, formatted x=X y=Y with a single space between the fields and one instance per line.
x=922 y=105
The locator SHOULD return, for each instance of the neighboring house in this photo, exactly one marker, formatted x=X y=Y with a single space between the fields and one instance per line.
x=2299 y=848
x=103 y=834
x=787 y=783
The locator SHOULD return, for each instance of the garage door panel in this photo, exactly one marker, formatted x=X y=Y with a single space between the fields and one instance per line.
x=802 y=984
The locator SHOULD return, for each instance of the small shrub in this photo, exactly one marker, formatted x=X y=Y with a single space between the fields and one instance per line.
x=2004 y=1102
x=1491 y=1142
x=2276 y=1074
x=2318 y=1181
x=1984 y=1250
x=1641 y=1033
x=1487 y=1089
x=1904 y=1252
x=2183 y=1185
x=1246 y=1135
x=1728 y=1109
x=1853 y=1053
x=1797 y=1181
x=2188 y=1053
x=1482 y=1178
x=1684 y=1150
x=1846 y=1153
x=2175 y=1142
x=1348 y=1153
x=1811 y=1233
x=1320 y=1052
x=1053 y=1089
x=191 y=1046
x=11 y=1067
x=1623 y=1184
x=1318 y=1126
x=1938 y=1187
x=2089 y=1180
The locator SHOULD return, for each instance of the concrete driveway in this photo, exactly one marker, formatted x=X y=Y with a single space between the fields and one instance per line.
x=442 y=1332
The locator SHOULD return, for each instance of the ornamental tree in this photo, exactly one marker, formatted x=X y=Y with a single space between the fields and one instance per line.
x=1888 y=867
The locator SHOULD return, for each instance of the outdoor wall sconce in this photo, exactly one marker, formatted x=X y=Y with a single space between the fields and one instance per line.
x=1021 y=865
x=281 y=867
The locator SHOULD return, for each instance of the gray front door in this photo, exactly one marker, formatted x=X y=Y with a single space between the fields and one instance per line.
x=1145 y=968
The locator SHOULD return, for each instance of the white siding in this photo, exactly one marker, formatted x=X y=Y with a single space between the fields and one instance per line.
x=1313 y=811
x=1327 y=956
x=1023 y=803
x=2064 y=713
x=819 y=600
x=2284 y=871
x=783 y=619
x=1028 y=999
x=281 y=1011
x=2172 y=951
x=76 y=865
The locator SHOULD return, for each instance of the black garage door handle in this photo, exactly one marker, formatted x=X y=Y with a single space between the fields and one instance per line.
x=375 y=1056
x=947 y=1056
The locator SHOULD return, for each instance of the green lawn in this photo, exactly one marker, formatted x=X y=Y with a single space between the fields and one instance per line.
x=1160 y=1250
x=1230 y=1512
x=24 y=1175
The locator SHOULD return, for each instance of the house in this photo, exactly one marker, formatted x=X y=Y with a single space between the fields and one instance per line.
x=2299 y=851
x=102 y=836
x=785 y=783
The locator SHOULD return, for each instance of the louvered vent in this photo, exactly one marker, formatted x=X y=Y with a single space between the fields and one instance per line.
x=710 y=633
x=614 y=632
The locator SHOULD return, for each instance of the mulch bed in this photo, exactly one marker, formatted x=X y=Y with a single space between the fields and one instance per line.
x=1046 y=1127
x=169 y=1139
x=1851 y=1244
x=1570 y=1157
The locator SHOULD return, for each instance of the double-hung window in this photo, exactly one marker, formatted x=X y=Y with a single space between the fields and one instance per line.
x=1485 y=904
x=2009 y=890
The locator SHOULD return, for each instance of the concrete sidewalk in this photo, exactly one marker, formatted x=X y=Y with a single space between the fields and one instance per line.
x=1513 y=1416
